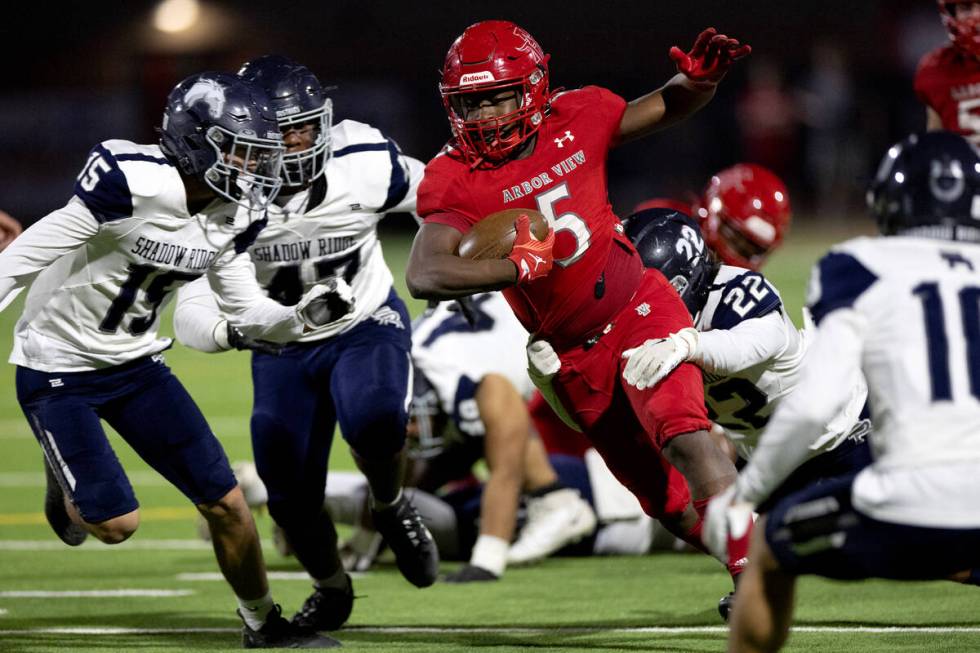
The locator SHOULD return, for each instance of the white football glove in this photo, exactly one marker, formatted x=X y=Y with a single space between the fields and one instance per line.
x=542 y=360
x=325 y=302
x=648 y=364
x=542 y=366
x=727 y=520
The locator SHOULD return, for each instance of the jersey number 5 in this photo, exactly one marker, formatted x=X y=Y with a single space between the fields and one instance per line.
x=568 y=221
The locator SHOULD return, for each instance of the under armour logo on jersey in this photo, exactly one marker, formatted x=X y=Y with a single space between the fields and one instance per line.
x=356 y=206
x=386 y=316
x=211 y=92
x=56 y=383
x=560 y=142
x=643 y=309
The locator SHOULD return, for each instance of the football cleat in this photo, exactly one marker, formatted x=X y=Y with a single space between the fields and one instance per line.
x=327 y=608
x=725 y=605
x=54 y=510
x=411 y=542
x=279 y=633
x=554 y=521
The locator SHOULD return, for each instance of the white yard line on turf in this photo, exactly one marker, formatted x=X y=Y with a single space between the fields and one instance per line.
x=273 y=575
x=422 y=630
x=98 y=594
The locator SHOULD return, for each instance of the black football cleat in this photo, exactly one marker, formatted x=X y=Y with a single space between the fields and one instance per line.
x=725 y=605
x=327 y=608
x=54 y=510
x=279 y=633
x=410 y=541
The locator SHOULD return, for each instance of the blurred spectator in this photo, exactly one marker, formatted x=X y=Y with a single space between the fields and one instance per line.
x=767 y=117
x=833 y=156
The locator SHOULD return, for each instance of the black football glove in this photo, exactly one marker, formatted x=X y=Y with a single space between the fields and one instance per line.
x=240 y=341
x=469 y=574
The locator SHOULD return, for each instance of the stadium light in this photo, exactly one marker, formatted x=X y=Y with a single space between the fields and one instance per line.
x=176 y=15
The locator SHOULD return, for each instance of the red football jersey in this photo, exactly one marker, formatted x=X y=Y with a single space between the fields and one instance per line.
x=948 y=82
x=596 y=268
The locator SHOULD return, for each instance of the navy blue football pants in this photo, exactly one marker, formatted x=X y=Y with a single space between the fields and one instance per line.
x=146 y=404
x=359 y=379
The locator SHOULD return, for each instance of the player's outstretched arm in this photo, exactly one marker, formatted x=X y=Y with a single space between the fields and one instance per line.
x=435 y=271
x=699 y=71
x=10 y=228
x=56 y=234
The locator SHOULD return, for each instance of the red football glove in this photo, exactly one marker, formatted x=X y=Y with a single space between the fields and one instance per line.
x=710 y=58
x=531 y=256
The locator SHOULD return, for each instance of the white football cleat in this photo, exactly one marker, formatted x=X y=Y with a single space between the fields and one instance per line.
x=554 y=521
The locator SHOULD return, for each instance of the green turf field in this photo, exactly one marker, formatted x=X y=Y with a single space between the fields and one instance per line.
x=163 y=595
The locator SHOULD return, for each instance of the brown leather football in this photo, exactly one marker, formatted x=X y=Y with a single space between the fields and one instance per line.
x=493 y=236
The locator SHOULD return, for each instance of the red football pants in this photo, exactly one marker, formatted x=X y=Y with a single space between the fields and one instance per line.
x=630 y=427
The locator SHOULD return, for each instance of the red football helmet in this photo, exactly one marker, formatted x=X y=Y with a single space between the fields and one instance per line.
x=744 y=214
x=495 y=55
x=963 y=32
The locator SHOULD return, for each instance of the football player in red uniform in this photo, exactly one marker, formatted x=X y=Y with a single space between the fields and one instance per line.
x=948 y=78
x=744 y=213
x=583 y=291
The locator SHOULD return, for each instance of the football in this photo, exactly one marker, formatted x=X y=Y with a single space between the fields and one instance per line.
x=493 y=236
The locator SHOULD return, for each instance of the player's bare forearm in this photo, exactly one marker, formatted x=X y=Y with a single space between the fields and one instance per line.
x=434 y=270
x=675 y=101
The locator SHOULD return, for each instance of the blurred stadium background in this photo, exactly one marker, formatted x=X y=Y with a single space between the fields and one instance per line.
x=828 y=87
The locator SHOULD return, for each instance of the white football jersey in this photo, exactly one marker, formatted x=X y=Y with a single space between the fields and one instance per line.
x=455 y=357
x=742 y=397
x=104 y=266
x=330 y=229
x=906 y=311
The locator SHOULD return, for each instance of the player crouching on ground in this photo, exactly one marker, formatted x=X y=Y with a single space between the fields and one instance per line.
x=902 y=308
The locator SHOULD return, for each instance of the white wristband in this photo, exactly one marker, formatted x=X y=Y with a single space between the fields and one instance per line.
x=490 y=553
x=220 y=335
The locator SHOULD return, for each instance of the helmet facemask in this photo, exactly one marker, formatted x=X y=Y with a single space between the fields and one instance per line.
x=301 y=168
x=495 y=139
x=963 y=31
x=247 y=167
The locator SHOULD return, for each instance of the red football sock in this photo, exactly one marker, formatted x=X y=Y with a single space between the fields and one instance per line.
x=737 y=551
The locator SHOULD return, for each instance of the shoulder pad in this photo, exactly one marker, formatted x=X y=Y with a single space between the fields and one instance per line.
x=103 y=187
x=743 y=297
x=837 y=281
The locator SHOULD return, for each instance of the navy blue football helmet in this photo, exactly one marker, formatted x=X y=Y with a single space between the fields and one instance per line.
x=928 y=185
x=298 y=99
x=671 y=242
x=220 y=129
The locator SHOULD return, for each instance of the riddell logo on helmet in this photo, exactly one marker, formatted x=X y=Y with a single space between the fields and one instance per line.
x=476 y=78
